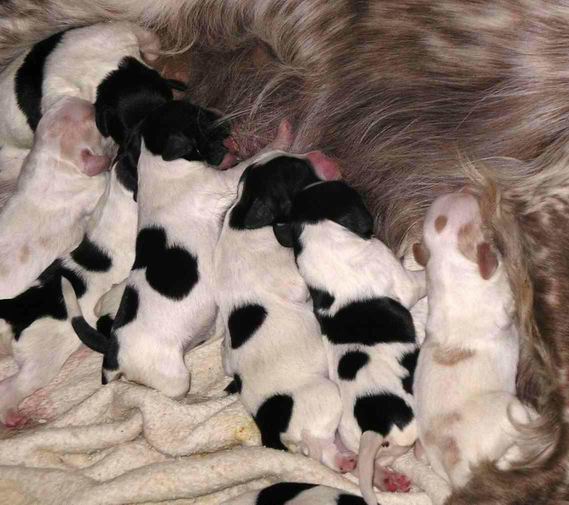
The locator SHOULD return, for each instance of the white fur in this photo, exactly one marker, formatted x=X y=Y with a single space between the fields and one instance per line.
x=75 y=67
x=46 y=216
x=464 y=410
x=285 y=355
x=45 y=345
x=351 y=268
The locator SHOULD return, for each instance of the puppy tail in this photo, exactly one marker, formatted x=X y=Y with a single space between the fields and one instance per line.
x=88 y=335
x=370 y=443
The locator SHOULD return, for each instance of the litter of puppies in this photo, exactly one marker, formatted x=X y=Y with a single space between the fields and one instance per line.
x=145 y=262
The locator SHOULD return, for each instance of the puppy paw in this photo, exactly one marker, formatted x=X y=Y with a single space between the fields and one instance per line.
x=346 y=462
x=395 y=482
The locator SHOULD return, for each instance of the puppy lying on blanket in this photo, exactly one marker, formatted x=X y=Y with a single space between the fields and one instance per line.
x=361 y=295
x=38 y=319
x=296 y=493
x=466 y=409
x=56 y=193
x=71 y=63
x=273 y=346
x=168 y=303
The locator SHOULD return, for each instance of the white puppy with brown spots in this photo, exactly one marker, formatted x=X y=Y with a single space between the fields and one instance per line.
x=59 y=186
x=465 y=404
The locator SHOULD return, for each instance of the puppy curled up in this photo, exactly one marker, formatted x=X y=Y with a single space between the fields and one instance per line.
x=361 y=296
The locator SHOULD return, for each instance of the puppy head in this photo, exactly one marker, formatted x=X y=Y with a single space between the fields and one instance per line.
x=267 y=189
x=68 y=130
x=453 y=229
x=181 y=130
x=334 y=201
x=126 y=96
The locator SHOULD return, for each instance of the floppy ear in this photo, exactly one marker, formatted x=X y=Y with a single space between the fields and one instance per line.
x=283 y=234
x=487 y=260
x=178 y=146
x=358 y=220
x=257 y=215
x=104 y=116
x=421 y=254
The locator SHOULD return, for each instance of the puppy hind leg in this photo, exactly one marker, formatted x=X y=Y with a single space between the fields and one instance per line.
x=328 y=452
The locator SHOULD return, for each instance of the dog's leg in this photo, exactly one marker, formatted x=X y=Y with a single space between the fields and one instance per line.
x=328 y=452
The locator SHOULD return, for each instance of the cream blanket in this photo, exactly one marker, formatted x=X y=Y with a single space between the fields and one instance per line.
x=123 y=443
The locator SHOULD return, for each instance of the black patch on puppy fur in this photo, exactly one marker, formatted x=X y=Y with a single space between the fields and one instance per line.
x=181 y=130
x=351 y=363
x=126 y=96
x=128 y=308
x=105 y=324
x=321 y=300
x=273 y=418
x=43 y=300
x=29 y=79
x=244 y=322
x=268 y=192
x=234 y=386
x=171 y=271
x=380 y=412
x=334 y=201
x=281 y=493
x=350 y=499
x=409 y=361
x=90 y=256
x=369 y=322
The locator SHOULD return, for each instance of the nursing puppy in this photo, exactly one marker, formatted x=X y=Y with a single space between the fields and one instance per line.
x=361 y=295
x=296 y=493
x=465 y=383
x=168 y=304
x=56 y=193
x=38 y=319
x=71 y=63
x=273 y=347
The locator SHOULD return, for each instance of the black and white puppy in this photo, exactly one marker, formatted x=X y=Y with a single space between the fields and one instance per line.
x=168 y=304
x=296 y=493
x=361 y=295
x=36 y=325
x=71 y=63
x=273 y=346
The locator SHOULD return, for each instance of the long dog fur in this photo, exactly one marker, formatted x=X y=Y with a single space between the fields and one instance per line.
x=400 y=91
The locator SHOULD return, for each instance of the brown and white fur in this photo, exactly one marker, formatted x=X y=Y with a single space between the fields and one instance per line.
x=399 y=91
x=57 y=191
x=466 y=407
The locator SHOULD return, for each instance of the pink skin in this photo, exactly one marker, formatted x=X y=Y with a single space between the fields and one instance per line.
x=326 y=168
x=94 y=164
x=15 y=420
x=390 y=481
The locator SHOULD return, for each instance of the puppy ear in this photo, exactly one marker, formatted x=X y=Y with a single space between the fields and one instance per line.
x=178 y=146
x=257 y=215
x=103 y=118
x=421 y=254
x=94 y=164
x=358 y=220
x=283 y=234
x=487 y=260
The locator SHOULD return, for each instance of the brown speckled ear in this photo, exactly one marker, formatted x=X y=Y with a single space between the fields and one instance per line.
x=421 y=254
x=487 y=260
